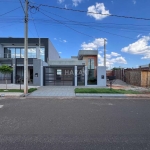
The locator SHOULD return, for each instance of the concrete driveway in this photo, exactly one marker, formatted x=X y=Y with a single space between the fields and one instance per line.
x=46 y=91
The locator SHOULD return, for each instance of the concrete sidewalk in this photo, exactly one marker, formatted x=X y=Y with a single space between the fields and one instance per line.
x=15 y=86
x=62 y=91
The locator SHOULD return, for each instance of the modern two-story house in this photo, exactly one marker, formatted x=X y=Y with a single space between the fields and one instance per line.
x=46 y=68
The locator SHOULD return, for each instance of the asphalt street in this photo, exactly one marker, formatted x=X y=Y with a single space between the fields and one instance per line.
x=74 y=124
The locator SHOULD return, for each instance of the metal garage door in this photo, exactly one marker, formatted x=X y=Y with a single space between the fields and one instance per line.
x=59 y=76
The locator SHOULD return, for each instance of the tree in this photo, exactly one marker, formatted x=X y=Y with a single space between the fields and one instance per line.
x=4 y=69
x=115 y=68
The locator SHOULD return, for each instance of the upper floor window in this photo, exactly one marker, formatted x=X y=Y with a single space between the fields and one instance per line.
x=90 y=63
x=42 y=53
x=10 y=52
x=31 y=52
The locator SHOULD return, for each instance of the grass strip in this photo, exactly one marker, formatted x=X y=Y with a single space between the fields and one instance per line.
x=105 y=90
x=18 y=90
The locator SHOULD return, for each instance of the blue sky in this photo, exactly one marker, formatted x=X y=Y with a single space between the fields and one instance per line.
x=128 y=40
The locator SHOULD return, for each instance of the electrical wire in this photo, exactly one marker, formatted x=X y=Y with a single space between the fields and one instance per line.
x=67 y=25
x=22 y=7
x=35 y=26
x=10 y=11
x=83 y=11
x=97 y=29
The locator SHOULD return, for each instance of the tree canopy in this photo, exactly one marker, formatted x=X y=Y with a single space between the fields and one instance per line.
x=4 y=69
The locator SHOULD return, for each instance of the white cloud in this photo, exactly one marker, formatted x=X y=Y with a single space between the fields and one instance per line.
x=76 y=2
x=111 y=60
x=61 y=40
x=99 y=42
x=61 y=1
x=134 y=2
x=59 y=52
x=64 y=41
x=140 y=47
x=66 y=6
x=138 y=35
x=98 y=8
x=114 y=54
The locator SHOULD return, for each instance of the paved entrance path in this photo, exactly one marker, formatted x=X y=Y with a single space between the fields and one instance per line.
x=54 y=91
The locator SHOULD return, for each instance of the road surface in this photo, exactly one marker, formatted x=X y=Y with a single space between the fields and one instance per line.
x=74 y=124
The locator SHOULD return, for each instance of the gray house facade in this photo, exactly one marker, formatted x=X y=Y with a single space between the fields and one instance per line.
x=46 y=68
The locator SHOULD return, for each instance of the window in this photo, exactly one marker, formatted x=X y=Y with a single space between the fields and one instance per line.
x=19 y=52
x=12 y=52
x=59 y=72
x=42 y=53
x=91 y=63
x=92 y=79
x=22 y=52
x=9 y=52
x=31 y=52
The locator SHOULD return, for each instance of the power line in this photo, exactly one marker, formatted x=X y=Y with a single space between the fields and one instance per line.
x=22 y=7
x=67 y=25
x=95 y=28
x=93 y=25
x=9 y=11
x=34 y=25
x=83 y=11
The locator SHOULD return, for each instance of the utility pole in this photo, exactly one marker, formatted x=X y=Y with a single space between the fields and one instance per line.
x=104 y=52
x=39 y=48
x=26 y=50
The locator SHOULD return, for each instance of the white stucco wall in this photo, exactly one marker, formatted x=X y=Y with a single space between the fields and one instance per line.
x=101 y=71
x=52 y=52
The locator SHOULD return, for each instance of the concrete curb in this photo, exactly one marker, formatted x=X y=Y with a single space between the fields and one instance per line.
x=113 y=95
x=10 y=94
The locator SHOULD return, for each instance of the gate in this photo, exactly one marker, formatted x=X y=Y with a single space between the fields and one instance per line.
x=58 y=76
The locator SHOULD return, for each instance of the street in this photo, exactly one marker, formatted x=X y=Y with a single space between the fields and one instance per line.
x=74 y=124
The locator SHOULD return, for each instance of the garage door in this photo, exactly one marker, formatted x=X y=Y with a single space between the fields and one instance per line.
x=59 y=76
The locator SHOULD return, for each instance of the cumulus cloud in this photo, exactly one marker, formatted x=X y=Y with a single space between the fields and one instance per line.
x=98 y=8
x=76 y=2
x=64 y=41
x=99 y=42
x=61 y=1
x=140 y=47
x=111 y=60
x=114 y=54
x=134 y=2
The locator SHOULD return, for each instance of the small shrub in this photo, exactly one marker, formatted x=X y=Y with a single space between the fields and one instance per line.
x=32 y=90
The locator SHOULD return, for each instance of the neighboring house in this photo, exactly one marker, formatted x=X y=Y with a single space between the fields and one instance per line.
x=46 y=68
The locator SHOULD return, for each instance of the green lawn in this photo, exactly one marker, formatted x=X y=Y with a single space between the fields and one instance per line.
x=105 y=90
x=18 y=90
